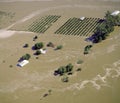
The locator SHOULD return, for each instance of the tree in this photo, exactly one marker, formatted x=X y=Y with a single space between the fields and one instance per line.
x=26 y=45
x=50 y=44
x=39 y=45
x=61 y=70
x=107 y=27
x=69 y=67
x=38 y=52
x=26 y=57
x=59 y=47
x=87 y=48
x=35 y=38
x=64 y=69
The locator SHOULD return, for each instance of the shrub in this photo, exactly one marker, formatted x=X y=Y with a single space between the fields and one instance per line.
x=79 y=62
x=35 y=37
x=26 y=45
x=11 y=66
x=38 y=52
x=65 y=79
x=87 y=48
x=79 y=69
x=59 y=47
x=50 y=44
x=37 y=57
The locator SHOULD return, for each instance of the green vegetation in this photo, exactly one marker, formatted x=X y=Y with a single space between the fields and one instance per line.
x=87 y=48
x=26 y=57
x=102 y=31
x=38 y=52
x=65 y=79
x=26 y=45
x=64 y=69
x=79 y=61
x=43 y=24
x=79 y=69
x=50 y=44
x=36 y=37
x=49 y=91
x=59 y=47
x=10 y=66
x=74 y=26
x=38 y=45
x=37 y=57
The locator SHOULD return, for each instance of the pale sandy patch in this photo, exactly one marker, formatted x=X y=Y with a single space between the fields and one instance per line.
x=6 y=33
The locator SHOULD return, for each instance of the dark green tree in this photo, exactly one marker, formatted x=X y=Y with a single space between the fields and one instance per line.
x=38 y=52
x=26 y=57
x=69 y=67
x=59 y=47
x=39 y=45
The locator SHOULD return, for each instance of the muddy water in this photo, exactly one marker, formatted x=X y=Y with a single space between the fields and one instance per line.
x=98 y=82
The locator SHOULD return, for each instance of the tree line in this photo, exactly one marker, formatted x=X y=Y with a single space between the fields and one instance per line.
x=102 y=31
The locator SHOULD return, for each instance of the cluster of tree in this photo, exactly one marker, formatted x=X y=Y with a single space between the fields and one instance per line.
x=107 y=27
x=38 y=45
x=112 y=19
x=64 y=69
x=87 y=48
x=26 y=57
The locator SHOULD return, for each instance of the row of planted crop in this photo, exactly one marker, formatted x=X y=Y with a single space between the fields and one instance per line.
x=77 y=27
x=74 y=24
x=41 y=25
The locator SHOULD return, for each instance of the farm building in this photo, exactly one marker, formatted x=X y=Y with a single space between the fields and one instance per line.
x=82 y=18
x=43 y=51
x=115 y=13
x=23 y=63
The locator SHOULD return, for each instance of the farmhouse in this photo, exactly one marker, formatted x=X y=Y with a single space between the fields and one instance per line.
x=23 y=63
x=115 y=13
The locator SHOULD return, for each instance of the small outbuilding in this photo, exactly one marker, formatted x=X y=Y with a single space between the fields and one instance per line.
x=23 y=63
x=43 y=51
x=115 y=13
x=82 y=18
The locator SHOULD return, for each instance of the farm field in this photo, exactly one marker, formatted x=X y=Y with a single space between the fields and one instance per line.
x=42 y=24
x=95 y=77
x=75 y=26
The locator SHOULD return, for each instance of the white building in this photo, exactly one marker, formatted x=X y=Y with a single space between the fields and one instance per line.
x=82 y=18
x=23 y=63
x=115 y=13
x=43 y=51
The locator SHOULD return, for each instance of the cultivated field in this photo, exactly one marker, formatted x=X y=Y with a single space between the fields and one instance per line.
x=75 y=26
